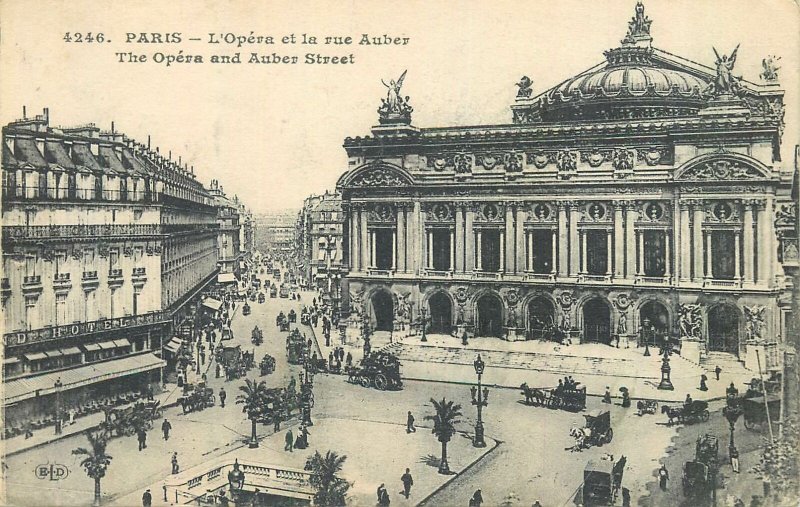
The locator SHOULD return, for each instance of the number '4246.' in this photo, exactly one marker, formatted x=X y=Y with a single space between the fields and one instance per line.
x=85 y=37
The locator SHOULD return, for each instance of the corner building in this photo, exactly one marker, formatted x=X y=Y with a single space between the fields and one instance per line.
x=640 y=200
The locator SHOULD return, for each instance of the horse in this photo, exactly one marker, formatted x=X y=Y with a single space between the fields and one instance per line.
x=532 y=395
x=672 y=414
x=581 y=436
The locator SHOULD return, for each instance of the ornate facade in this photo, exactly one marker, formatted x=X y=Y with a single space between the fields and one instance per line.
x=640 y=200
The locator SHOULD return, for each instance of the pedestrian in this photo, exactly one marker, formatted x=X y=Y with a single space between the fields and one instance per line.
x=141 y=436
x=349 y=361
x=276 y=422
x=477 y=499
x=165 y=427
x=222 y=396
x=663 y=477
x=175 y=467
x=217 y=371
x=464 y=341
x=703 y=379
x=717 y=371
x=734 y=454
x=330 y=358
x=383 y=496
x=408 y=481
x=147 y=499
x=289 y=439
x=626 y=497
x=537 y=504
x=607 y=395
x=202 y=356
x=410 y=424
x=149 y=393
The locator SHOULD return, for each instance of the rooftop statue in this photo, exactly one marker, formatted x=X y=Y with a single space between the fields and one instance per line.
x=725 y=82
x=394 y=105
x=525 y=86
x=770 y=72
x=638 y=26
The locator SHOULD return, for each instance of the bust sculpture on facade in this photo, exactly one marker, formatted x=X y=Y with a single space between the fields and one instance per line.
x=525 y=87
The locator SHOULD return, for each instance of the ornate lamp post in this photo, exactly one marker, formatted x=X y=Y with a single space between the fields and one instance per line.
x=732 y=412
x=645 y=330
x=480 y=398
x=58 y=385
x=306 y=393
x=423 y=322
x=235 y=482
x=666 y=383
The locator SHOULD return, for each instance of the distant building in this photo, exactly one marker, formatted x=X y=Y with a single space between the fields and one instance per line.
x=229 y=234
x=276 y=231
x=319 y=243
x=107 y=245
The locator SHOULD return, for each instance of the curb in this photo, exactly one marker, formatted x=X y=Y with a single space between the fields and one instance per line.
x=456 y=475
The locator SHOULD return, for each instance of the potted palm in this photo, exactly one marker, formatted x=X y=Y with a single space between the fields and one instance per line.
x=252 y=398
x=330 y=489
x=444 y=420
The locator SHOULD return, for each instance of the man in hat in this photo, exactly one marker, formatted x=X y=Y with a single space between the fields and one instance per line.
x=147 y=499
x=289 y=442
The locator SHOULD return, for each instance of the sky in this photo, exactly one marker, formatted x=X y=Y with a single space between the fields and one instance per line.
x=272 y=134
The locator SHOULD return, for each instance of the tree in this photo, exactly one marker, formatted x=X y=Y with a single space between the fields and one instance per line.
x=444 y=421
x=253 y=399
x=779 y=461
x=96 y=460
x=331 y=490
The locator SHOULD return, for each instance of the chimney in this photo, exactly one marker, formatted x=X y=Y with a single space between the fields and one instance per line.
x=148 y=141
x=112 y=127
x=47 y=115
x=24 y=113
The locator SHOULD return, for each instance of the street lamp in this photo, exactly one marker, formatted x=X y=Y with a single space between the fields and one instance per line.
x=235 y=481
x=645 y=329
x=306 y=393
x=424 y=321
x=666 y=383
x=58 y=385
x=732 y=412
x=480 y=398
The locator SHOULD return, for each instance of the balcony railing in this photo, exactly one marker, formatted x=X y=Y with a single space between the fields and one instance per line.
x=711 y=282
x=32 y=280
x=115 y=273
x=89 y=275
x=437 y=273
x=549 y=277
x=24 y=193
x=18 y=232
x=61 y=277
x=379 y=272
x=487 y=275
x=139 y=271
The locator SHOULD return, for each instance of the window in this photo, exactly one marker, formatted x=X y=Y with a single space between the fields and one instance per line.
x=542 y=251
x=596 y=252
x=723 y=255
x=384 y=249
x=441 y=249
x=61 y=307
x=60 y=261
x=489 y=251
x=654 y=253
x=30 y=264
x=138 y=254
x=113 y=258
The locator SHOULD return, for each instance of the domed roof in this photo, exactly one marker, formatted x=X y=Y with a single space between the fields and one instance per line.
x=633 y=83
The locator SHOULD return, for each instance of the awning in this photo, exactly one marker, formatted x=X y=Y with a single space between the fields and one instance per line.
x=11 y=360
x=108 y=345
x=226 y=278
x=91 y=347
x=122 y=342
x=71 y=351
x=35 y=356
x=174 y=345
x=25 y=388
x=212 y=304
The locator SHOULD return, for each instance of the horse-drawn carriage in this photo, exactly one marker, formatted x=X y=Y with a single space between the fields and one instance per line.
x=602 y=481
x=597 y=430
x=292 y=316
x=566 y=398
x=273 y=291
x=379 y=369
x=196 y=398
x=696 y=481
x=257 y=336
x=695 y=411
x=125 y=421
x=295 y=347
x=755 y=410
x=267 y=365
x=261 y=297
x=246 y=309
x=646 y=407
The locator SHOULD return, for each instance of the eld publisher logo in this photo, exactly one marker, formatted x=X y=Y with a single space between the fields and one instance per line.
x=53 y=472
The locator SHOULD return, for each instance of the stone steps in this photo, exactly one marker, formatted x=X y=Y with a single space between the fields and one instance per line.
x=727 y=362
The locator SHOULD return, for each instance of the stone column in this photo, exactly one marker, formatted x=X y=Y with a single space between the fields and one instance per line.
x=519 y=243
x=765 y=251
x=667 y=255
x=709 y=256
x=401 y=238
x=452 y=250
x=698 y=245
x=373 y=261
x=619 y=242
x=584 y=267
x=630 y=240
x=683 y=248
x=507 y=240
x=364 y=256
x=608 y=253
x=469 y=240
x=394 y=249
x=554 y=253
x=640 y=264
x=747 y=234
x=563 y=253
x=502 y=252
x=352 y=253
x=574 y=243
x=737 y=256
x=478 y=259
x=459 y=238
x=529 y=251
x=429 y=250
x=415 y=239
